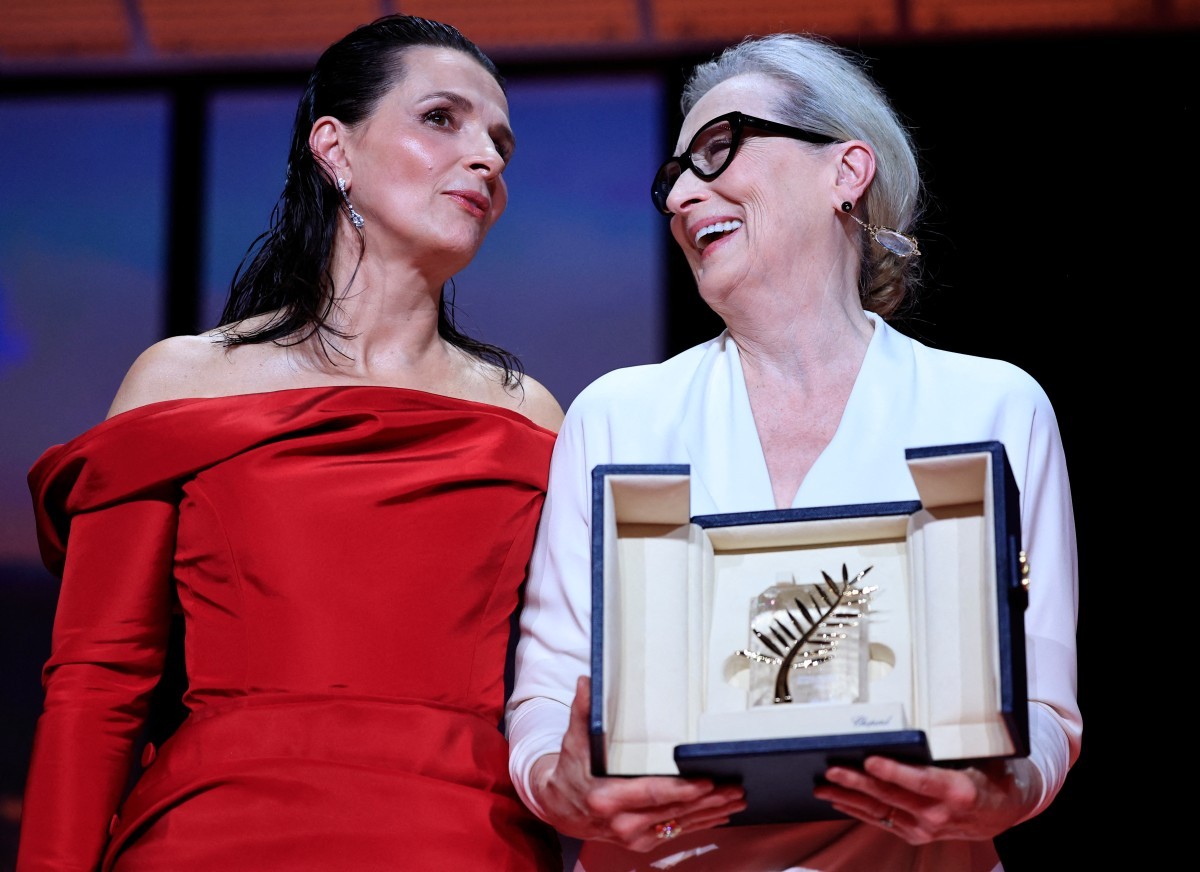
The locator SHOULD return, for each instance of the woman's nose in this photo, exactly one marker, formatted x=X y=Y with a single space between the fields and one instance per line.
x=687 y=190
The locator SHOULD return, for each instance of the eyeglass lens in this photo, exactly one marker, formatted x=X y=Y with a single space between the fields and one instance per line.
x=710 y=151
x=712 y=148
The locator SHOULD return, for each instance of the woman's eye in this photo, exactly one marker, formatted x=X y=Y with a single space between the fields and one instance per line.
x=438 y=117
x=715 y=148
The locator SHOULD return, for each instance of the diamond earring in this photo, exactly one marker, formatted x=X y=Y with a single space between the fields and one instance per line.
x=355 y=218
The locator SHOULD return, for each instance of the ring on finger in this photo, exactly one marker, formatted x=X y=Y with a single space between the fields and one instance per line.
x=668 y=829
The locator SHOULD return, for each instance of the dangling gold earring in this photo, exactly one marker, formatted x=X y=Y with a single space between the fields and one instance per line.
x=899 y=244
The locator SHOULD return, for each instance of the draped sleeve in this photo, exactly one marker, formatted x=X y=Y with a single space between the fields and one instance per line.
x=108 y=641
x=237 y=512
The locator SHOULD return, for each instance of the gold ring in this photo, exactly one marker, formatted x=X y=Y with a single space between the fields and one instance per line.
x=667 y=829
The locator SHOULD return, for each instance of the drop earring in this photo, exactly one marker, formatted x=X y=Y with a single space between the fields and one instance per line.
x=899 y=244
x=355 y=218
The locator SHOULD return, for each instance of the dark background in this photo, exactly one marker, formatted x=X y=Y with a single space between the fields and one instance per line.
x=1059 y=175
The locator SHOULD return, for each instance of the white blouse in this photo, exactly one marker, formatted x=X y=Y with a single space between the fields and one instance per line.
x=694 y=409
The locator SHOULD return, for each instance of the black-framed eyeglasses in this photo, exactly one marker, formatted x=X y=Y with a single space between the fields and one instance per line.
x=713 y=147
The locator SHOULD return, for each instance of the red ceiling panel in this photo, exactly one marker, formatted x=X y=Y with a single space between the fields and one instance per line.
x=1001 y=15
x=45 y=35
x=63 y=28
x=708 y=20
x=535 y=23
x=260 y=27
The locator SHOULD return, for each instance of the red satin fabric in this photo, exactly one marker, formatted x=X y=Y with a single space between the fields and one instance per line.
x=346 y=560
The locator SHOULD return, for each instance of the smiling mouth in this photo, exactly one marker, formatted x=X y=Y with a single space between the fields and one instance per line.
x=705 y=236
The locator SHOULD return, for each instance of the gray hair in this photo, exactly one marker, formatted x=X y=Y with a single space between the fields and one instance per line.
x=828 y=90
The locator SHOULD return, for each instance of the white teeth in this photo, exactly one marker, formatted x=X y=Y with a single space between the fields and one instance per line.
x=719 y=227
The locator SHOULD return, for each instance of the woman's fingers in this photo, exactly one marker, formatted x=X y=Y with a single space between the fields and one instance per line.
x=636 y=813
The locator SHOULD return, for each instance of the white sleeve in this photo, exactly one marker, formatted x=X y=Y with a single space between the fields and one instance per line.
x=554 y=648
x=1051 y=619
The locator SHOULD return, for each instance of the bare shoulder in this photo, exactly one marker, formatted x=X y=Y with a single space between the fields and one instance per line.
x=539 y=405
x=170 y=369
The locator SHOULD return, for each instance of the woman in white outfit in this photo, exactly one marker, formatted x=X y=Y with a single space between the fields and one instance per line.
x=793 y=195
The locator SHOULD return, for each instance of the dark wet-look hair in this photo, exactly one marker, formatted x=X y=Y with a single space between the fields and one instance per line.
x=286 y=269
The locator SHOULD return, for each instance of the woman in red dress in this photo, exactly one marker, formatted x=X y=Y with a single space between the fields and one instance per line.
x=337 y=492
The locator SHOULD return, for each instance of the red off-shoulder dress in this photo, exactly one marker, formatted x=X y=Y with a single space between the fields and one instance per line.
x=346 y=561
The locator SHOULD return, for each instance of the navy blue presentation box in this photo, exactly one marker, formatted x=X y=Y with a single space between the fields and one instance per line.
x=925 y=653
